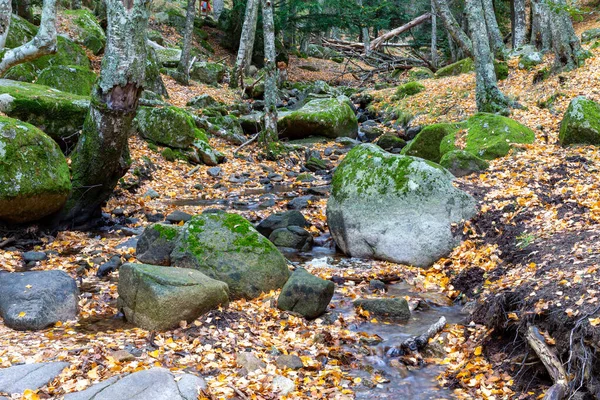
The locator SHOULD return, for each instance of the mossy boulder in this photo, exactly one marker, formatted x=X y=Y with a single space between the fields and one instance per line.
x=427 y=142
x=26 y=72
x=418 y=73
x=87 y=30
x=462 y=163
x=460 y=67
x=60 y=115
x=530 y=59
x=152 y=79
x=228 y=248
x=168 y=57
x=488 y=136
x=158 y=298
x=392 y=308
x=306 y=294
x=156 y=244
x=390 y=142
x=67 y=53
x=209 y=73
x=34 y=175
x=170 y=126
x=501 y=69
x=331 y=117
x=393 y=207
x=21 y=31
x=72 y=79
x=581 y=123
x=590 y=34
x=409 y=89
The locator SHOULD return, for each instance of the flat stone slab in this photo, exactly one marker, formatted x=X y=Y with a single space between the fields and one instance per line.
x=155 y=384
x=19 y=378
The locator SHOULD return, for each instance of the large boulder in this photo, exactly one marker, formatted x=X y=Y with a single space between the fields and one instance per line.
x=38 y=299
x=59 y=114
x=306 y=294
x=393 y=308
x=156 y=244
x=395 y=208
x=228 y=248
x=155 y=383
x=67 y=53
x=581 y=123
x=209 y=73
x=281 y=220
x=158 y=298
x=21 y=31
x=168 y=126
x=292 y=237
x=331 y=117
x=427 y=142
x=168 y=57
x=71 y=79
x=87 y=30
x=17 y=379
x=34 y=175
x=463 y=66
x=462 y=163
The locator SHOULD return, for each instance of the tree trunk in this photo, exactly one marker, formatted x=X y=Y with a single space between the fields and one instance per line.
x=101 y=157
x=487 y=95
x=24 y=9
x=244 y=56
x=519 y=24
x=268 y=135
x=76 y=4
x=434 y=55
x=364 y=31
x=494 y=35
x=541 y=36
x=452 y=47
x=218 y=7
x=42 y=44
x=183 y=70
x=565 y=43
x=5 y=12
x=452 y=26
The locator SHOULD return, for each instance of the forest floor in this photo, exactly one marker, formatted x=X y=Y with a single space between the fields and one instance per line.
x=530 y=256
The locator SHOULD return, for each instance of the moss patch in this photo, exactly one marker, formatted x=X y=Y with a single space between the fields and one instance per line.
x=409 y=89
x=427 y=143
x=169 y=126
x=460 y=67
x=581 y=123
x=72 y=79
x=87 y=30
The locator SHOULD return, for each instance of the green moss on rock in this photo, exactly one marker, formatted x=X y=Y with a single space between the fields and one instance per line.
x=26 y=72
x=72 y=79
x=389 y=142
x=208 y=73
x=418 y=73
x=501 y=69
x=21 y=31
x=87 y=30
x=169 y=126
x=332 y=118
x=67 y=53
x=226 y=247
x=59 y=114
x=460 y=67
x=34 y=175
x=581 y=123
x=409 y=89
x=462 y=163
x=590 y=34
x=427 y=143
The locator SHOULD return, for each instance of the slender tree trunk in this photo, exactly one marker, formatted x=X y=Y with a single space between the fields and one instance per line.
x=487 y=95
x=244 y=56
x=101 y=157
x=268 y=136
x=565 y=43
x=218 y=7
x=541 y=35
x=434 y=55
x=495 y=37
x=519 y=24
x=183 y=70
x=24 y=9
x=364 y=31
x=42 y=44
x=5 y=13
x=451 y=47
x=452 y=26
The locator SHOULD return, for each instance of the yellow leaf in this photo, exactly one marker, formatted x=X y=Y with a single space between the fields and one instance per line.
x=513 y=316
x=93 y=373
x=478 y=351
x=22 y=314
x=154 y=354
x=29 y=394
x=594 y=321
x=28 y=286
x=357 y=380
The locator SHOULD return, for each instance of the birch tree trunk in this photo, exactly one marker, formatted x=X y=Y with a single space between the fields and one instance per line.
x=42 y=44
x=5 y=12
x=434 y=54
x=452 y=26
x=244 y=56
x=541 y=36
x=487 y=95
x=268 y=135
x=101 y=157
x=494 y=35
x=183 y=69
x=364 y=32
x=218 y=6
x=519 y=23
x=565 y=43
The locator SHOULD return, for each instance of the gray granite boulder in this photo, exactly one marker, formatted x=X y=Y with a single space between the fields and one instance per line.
x=306 y=294
x=17 y=379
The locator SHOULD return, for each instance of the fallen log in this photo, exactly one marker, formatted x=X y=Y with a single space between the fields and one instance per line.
x=376 y=43
x=550 y=360
x=416 y=343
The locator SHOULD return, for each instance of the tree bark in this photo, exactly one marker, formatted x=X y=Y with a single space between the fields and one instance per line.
x=101 y=157
x=244 y=56
x=434 y=55
x=42 y=44
x=376 y=43
x=565 y=43
x=218 y=7
x=364 y=31
x=519 y=24
x=494 y=35
x=5 y=12
x=24 y=9
x=76 y=4
x=541 y=35
x=183 y=69
x=268 y=135
x=453 y=28
x=487 y=95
